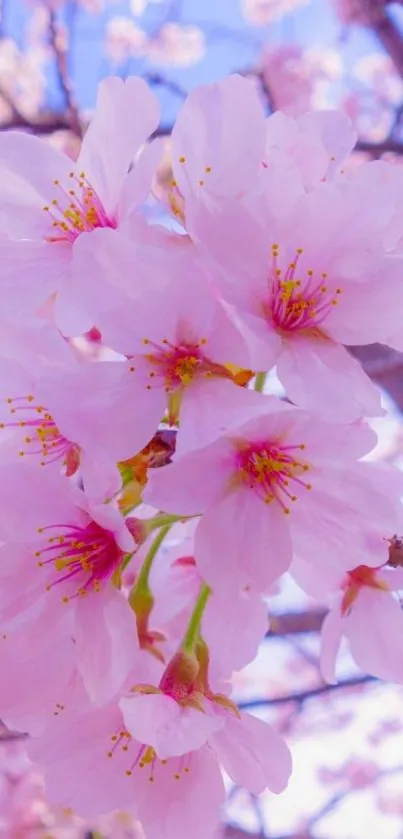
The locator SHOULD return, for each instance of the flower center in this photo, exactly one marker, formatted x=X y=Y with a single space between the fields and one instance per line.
x=298 y=303
x=355 y=581
x=271 y=470
x=176 y=201
x=179 y=364
x=77 y=209
x=85 y=556
x=145 y=757
x=42 y=439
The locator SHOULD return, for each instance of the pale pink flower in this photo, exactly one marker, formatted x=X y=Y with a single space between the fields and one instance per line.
x=175 y=583
x=218 y=143
x=281 y=482
x=94 y=765
x=32 y=654
x=318 y=142
x=48 y=203
x=261 y=12
x=295 y=77
x=124 y=39
x=43 y=418
x=366 y=611
x=363 y=12
x=286 y=76
x=64 y=553
x=297 y=283
x=177 y=45
x=178 y=338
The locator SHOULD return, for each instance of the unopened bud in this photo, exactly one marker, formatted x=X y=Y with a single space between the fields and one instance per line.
x=180 y=675
x=138 y=529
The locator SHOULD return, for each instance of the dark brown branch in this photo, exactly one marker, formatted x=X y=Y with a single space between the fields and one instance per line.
x=60 y=54
x=296 y=623
x=44 y=124
x=390 y=37
x=385 y=367
x=378 y=149
x=302 y=696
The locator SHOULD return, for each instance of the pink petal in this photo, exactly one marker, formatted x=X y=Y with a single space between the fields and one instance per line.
x=34 y=162
x=184 y=807
x=104 y=277
x=347 y=504
x=231 y=650
x=241 y=541
x=324 y=378
x=263 y=342
x=106 y=642
x=93 y=405
x=372 y=627
x=333 y=629
x=171 y=729
x=31 y=498
x=17 y=564
x=46 y=660
x=221 y=126
x=329 y=443
x=101 y=476
x=137 y=185
x=336 y=133
x=190 y=484
x=211 y=407
x=253 y=754
x=126 y=114
x=78 y=772
x=31 y=272
x=235 y=242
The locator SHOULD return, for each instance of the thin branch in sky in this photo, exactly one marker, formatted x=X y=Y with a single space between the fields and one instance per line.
x=61 y=58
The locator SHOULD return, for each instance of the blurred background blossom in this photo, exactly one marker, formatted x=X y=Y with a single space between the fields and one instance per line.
x=347 y=739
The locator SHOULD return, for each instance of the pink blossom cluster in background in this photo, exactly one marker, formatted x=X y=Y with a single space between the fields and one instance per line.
x=153 y=493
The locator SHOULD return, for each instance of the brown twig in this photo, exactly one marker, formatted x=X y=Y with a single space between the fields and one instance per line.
x=296 y=623
x=60 y=54
x=390 y=37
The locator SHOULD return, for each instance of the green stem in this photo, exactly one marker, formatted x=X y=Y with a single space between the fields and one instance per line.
x=163 y=519
x=192 y=633
x=142 y=579
x=260 y=381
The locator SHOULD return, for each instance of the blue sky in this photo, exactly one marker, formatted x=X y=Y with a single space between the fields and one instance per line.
x=231 y=43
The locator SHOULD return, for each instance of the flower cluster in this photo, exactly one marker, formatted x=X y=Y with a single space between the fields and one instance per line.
x=151 y=492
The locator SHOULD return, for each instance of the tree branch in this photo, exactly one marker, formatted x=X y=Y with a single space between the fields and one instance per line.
x=60 y=54
x=302 y=696
x=296 y=623
x=385 y=367
x=390 y=37
x=378 y=149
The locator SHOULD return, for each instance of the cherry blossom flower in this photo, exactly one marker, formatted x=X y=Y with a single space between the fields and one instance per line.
x=179 y=352
x=166 y=792
x=297 y=78
x=177 y=45
x=318 y=142
x=49 y=206
x=218 y=143
x=281 y=481
x=296 y=284
x=46 y=660
x=44 y=420
x=368 y=613
x=175 y=582
x=66 y=554
x=261 y=12
x=364 y=12
x=124 y=38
